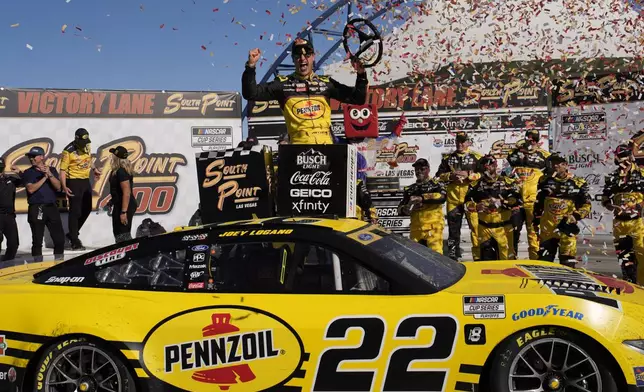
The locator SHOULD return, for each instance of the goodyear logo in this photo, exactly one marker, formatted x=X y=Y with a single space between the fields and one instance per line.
x=550 y=310
x=309 y=109
x=226 y=348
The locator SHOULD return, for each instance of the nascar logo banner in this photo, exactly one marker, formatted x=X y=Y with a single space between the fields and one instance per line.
x=235 y=184
x=317 y=179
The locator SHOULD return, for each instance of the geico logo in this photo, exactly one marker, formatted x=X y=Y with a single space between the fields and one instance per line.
x=222 y=350
x=65 y=279
x=387 y=212
x=416 y=125
x=195 y=266
x=326 y=193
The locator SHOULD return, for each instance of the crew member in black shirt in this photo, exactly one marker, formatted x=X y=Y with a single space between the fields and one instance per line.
x=42 y=182
x=8 y=227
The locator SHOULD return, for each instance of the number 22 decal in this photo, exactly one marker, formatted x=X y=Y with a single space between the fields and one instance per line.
x=397 y=377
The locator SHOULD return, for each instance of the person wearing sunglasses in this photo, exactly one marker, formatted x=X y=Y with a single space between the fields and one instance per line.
x=304 y=97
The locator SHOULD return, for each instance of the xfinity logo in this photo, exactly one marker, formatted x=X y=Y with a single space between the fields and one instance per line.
x=308 y=206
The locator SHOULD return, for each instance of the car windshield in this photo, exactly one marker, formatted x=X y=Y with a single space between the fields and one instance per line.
x=438 y=270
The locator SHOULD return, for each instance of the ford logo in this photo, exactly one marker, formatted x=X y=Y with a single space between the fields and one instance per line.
x=200 y=248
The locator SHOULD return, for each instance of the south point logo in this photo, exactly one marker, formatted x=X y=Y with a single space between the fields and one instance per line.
x=312 y=160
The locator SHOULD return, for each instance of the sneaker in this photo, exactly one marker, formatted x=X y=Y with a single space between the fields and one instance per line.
x=78 y=245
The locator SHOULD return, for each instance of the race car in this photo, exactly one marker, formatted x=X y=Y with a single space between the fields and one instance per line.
x=315 y=304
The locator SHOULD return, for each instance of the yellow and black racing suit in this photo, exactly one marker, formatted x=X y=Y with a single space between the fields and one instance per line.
x=305 y=102
x=558 y=199
x=456 y=191
x=495 y=198
x=364 y=209
x=528 y=166
x=627 y=191
x=427 y=221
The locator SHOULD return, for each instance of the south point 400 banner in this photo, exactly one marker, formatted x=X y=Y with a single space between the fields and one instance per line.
x=161 y=130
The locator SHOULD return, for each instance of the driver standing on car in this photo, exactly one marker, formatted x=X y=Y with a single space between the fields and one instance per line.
x=459 y=169
x=303 y=96
x=563 y=199
x=624 y=195
x=423 y=201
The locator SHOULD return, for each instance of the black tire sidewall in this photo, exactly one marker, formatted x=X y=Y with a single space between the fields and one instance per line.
x=47 y=359
x=510 y=348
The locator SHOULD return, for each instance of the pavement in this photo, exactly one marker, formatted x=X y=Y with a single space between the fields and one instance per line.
x=597 y=253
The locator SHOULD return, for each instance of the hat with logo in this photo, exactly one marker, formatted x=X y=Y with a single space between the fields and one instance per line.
x=532 y=134
x=462 y=137
x=35 y=151
x=82 y=136
x=302 y=46
x=120 y=152
x=421 y=162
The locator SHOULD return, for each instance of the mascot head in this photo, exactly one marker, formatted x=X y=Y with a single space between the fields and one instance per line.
x=360 y=121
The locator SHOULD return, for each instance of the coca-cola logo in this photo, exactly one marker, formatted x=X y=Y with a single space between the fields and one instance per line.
x=593 y=178
x=320 y=178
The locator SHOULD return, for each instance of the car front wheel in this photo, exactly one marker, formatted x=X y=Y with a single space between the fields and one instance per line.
x=550 y=359
x=80 y=365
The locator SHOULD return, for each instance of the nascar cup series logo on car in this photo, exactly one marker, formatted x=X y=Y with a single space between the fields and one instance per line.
x=232 y=348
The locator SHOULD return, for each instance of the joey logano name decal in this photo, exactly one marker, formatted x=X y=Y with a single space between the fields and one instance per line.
x=226 y=348
x=111 y=256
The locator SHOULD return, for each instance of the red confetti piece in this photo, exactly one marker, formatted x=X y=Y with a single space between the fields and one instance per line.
x=215 y=10
x=268 y=12
x=203 y=47
x=162 y=26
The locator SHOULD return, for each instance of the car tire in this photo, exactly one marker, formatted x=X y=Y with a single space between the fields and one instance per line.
x=96 y=364
x=533 y=345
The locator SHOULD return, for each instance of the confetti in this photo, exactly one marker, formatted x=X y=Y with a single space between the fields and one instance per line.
x=15 y=25
x=30 y=47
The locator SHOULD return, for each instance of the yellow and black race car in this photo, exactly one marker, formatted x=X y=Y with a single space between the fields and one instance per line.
x=312 y=304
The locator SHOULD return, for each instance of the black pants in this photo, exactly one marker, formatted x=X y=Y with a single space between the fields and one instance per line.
x=39 y=216
x=80 y=206
x=123 y=232
x=9 y=229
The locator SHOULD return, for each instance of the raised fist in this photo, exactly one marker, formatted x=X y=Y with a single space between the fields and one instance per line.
x=253 y=56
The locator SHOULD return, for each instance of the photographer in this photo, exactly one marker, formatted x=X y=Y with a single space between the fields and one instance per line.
x=42 y=182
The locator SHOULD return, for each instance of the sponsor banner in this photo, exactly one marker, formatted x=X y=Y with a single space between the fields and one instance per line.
x=113 y=104
x=160 y=149
x=235 y=184
x=320 y=179
x=587 y=135
x=409 y=95
x=599 y=89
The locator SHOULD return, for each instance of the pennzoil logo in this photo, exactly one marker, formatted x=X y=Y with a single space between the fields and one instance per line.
x=155 y=174
x=178 y=102
x=309 y=109
x=228 y=351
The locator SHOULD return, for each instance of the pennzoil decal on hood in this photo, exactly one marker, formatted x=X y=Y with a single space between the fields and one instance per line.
x=233 y=348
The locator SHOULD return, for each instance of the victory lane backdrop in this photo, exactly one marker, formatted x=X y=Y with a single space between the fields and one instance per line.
x=235 y=184
x=156 y=127
x=317 y=179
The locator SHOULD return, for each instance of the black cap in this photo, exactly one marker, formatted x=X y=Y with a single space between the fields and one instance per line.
x=533 y=134
x=623 y=151
x=461 y=137
x=421 y=162
x=487 y=159
x=302 y=46
x=557 y=158
x=35 y=151
x=119 y=151
x=82 y=136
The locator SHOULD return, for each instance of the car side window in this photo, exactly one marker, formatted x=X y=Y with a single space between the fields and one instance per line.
x=298 y=268
x=163 y=270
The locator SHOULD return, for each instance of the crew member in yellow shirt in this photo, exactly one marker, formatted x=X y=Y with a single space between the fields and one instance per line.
x=75 y=167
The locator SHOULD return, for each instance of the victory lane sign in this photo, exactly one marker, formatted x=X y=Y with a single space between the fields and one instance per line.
x=235 y=184
x=317 y=180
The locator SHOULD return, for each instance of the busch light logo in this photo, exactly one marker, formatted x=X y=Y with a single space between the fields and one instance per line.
x=312 y=160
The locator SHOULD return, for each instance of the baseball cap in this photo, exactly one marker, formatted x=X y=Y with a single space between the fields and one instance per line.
x=421 y=162
x=557 y=158
x=487 y=160
x=533 y=134
x=302 y=46
x=82 y=136
x=35 y=151
x=119 y=151
x=461 y=137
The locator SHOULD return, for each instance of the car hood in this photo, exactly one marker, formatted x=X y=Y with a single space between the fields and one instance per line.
x=23 y=273
x=537 y=277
